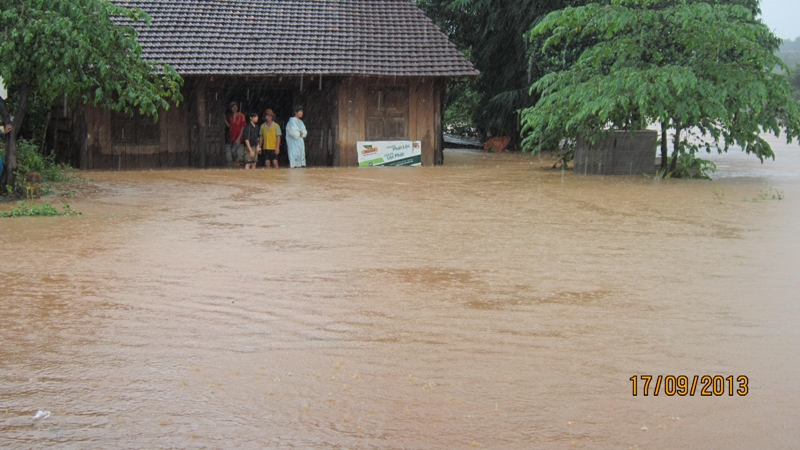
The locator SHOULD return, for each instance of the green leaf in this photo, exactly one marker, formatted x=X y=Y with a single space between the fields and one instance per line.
x=707 y=66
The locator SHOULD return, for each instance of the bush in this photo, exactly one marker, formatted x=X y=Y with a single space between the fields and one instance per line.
x=30 y=160
x=45 y=209
x=690 y=166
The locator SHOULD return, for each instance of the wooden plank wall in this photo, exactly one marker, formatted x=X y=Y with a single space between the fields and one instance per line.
x=98 y=126
x=200 y=147
x=424 y=116
x=62 y=135
x=172 y=149
x=335 y=117
x=352 y=120
x=421 y=116
x=175 y=142
x=190 y=97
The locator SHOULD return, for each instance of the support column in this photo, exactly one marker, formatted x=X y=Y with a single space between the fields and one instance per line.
x=199 y=159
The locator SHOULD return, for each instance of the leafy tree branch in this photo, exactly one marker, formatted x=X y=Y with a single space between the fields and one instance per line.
x=84 y=50
x=705 y=66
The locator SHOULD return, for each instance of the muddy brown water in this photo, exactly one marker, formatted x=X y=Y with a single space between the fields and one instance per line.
x=484 y=304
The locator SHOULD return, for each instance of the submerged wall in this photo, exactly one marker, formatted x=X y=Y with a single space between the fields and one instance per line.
x=620 y=153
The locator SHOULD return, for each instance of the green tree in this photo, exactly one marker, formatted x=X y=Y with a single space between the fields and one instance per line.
x=85 y=50
x=492 y=34
x=789 y=52
x=794 y=78
x=697 y=67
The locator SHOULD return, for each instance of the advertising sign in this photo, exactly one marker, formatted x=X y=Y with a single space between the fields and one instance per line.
x=389 y=153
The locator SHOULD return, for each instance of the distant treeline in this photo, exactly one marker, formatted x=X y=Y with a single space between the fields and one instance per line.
x=789 y=52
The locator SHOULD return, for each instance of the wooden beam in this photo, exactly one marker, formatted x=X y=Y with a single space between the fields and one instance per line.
x=358 y=131
x=200 y=98
x=440 y=88
x=343 y=124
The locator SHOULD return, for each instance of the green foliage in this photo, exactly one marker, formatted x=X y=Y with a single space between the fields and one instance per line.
x=794 y=79
x=30 y=160
x=789 y=52
x=492 y=34
x=75 y=49
x=462 y=101
x=565 y=152
x=82 y=50
x=36 y=116
x=694 y=65
x=690 y=166
x=769 y=193
x=45 y=209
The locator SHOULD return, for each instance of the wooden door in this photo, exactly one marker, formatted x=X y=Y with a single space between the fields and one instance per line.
x=387 y=114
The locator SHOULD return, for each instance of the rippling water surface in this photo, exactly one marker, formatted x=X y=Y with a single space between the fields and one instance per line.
x=486 y=304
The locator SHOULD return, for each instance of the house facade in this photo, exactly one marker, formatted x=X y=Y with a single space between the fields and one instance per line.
x=364 y=70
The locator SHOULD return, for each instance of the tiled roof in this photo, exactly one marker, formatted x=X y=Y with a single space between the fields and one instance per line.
x=289 y=37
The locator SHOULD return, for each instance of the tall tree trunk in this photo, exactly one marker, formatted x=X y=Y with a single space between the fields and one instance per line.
x=664 y=147
x=11 y=142
x=5 y=118
x=44 y=132
x=677 y=141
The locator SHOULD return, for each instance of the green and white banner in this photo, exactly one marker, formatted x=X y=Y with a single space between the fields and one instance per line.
x=389 y=153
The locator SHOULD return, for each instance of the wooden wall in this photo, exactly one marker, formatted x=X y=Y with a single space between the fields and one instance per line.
x=193 y=133
x=424 y=124
x=171 y=150
x=352 y=121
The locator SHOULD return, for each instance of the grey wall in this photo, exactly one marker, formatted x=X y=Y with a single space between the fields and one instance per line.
x=621 y=153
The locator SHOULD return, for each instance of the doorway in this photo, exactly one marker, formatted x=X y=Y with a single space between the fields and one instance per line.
x=257 y=99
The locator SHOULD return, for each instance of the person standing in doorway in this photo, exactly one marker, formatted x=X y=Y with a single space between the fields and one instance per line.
x=295 y=133
x=235 y=122
x=270 y=140
x=250 y=135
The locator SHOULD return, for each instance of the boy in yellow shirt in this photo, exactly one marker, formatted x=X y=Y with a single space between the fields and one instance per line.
x=269 y=139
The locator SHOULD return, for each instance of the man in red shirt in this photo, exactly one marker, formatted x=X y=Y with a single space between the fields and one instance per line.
x=236 y=122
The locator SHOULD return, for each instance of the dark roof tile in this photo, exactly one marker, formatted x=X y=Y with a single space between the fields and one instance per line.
x=286 y=37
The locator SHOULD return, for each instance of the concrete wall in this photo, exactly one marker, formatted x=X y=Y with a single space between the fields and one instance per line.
x=621 y=153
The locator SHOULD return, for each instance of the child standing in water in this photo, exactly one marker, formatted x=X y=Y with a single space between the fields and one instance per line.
x=270 y=140
x=251 y=141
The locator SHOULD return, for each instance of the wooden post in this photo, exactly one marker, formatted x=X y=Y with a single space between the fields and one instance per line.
x=359 y=131
x=342 y=123
x=438 y=97
x=200 y=98
x=166 y=128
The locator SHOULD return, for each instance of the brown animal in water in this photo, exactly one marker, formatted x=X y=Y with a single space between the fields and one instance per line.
x=497 y=144
x=33 y=184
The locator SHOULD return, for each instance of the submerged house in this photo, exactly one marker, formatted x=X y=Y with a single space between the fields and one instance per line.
x=364 y=70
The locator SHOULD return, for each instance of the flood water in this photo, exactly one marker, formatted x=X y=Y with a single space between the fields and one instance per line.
x=489 y=303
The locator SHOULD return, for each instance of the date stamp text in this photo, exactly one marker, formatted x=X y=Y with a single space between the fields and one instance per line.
x=702 y=385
